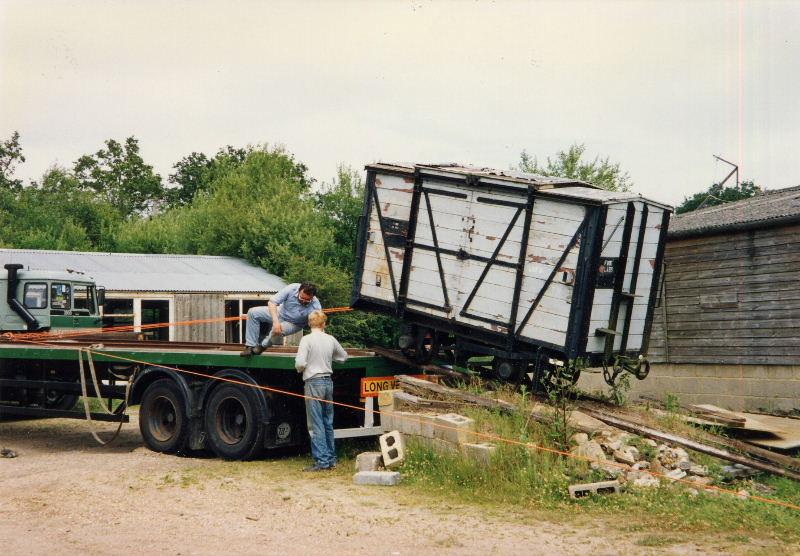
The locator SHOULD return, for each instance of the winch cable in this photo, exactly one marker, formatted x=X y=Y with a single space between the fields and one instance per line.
x=481 y=435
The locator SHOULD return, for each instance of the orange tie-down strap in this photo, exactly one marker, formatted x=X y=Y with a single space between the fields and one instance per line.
x=76 y=333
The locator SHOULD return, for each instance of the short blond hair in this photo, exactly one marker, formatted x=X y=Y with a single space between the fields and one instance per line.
x=317 y=319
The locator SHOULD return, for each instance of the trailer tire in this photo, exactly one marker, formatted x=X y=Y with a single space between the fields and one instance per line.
x=234 y=422
x=163 y=421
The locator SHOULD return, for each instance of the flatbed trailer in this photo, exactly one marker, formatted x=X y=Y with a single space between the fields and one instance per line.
x=191 y=395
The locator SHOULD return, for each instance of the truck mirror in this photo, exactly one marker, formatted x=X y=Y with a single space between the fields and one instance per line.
x=101 y=296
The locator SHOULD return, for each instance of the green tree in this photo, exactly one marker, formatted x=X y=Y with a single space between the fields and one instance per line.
x=262 y=210
x=717 y=195
x=119 y=175
x=56 y=213
x=63 y=194
x=339 y=205
x=568 y=164
x=10 y=156
x=195 y=173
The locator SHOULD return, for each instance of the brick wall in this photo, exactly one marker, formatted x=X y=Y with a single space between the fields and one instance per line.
x=758 y=388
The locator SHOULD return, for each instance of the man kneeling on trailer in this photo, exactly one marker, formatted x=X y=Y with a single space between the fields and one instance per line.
x=315 y=355
x=286 y=313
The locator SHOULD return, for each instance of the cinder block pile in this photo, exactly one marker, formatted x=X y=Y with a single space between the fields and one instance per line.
x=446 y=433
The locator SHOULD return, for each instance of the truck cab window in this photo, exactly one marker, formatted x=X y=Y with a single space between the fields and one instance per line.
x=60 y=296
x=83 y=299
x=35 y=296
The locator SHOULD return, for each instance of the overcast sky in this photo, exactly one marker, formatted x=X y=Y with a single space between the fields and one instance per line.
x=657 y=87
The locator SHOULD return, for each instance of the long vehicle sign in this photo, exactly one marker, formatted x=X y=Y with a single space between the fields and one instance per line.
x=371 y=387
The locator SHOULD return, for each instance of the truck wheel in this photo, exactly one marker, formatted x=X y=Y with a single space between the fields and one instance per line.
x=234 y=423
x=162 y=417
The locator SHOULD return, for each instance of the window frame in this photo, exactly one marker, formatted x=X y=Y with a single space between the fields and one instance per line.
x=46 y=294
x=68 y=306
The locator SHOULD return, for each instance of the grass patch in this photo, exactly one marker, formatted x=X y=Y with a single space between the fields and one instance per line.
x=98 y=406
x=657 y=540
x=531 y=479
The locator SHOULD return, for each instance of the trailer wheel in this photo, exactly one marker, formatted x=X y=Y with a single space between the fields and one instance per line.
x=162 y=417
x=233 y=423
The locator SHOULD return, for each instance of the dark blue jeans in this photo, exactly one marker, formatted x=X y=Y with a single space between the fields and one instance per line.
x=319 y=417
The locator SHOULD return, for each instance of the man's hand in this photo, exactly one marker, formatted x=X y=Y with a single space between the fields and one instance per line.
x=277 y=329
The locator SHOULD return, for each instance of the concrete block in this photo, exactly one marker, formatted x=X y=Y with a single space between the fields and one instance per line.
x=436 y=445
x=482 y=453
x=387 y=420
x=585 y=489
x=369 y=461
x=407 y=422
x=378 y=478
x=392 y=448
x=454 y=428
x=427 y=425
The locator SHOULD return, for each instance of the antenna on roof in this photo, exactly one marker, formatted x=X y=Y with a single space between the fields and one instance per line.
x=734 y=171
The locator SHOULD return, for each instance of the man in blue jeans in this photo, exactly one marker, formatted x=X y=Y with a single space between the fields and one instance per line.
x=286 y=313
x=315 y=355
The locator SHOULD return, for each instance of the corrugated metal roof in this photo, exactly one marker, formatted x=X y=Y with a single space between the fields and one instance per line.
x=763 y=210
x=146 y=272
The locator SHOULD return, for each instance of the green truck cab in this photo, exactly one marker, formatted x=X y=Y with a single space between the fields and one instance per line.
x=39 y=300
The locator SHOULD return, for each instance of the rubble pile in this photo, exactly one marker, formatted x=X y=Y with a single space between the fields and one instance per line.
x=644 y=463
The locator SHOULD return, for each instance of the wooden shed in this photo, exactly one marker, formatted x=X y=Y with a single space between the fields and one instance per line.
x=157 y=288
x=727 y=322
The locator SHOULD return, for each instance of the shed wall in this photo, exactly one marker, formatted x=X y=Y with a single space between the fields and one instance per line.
x=731 y=299
x=200 y=306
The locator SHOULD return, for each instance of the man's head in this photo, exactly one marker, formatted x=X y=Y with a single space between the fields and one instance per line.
x=306 y=292
x=317 y=319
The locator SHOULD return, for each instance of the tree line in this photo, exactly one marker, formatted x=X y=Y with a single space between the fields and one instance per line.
x=255 y=202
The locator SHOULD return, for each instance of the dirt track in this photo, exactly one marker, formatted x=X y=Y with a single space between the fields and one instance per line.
x=66 y=495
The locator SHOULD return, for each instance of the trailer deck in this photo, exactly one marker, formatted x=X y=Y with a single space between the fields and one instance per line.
x=193 y=354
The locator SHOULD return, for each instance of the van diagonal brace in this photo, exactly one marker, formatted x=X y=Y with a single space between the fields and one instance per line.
x=492 y=260
x=382 y=226
x=626 y=327
x=523 y=252
x=619 y=281
x=438 y=254
x=578 y=233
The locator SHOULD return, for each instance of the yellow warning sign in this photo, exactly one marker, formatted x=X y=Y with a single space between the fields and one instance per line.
x=370 y=387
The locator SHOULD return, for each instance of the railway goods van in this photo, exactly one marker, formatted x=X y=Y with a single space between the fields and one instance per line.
x=542 y=273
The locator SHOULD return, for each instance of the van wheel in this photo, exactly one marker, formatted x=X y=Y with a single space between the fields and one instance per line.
x=506 y=370
x=234 y=423
x=162 y=417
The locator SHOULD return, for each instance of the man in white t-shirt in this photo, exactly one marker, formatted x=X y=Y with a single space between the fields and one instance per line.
x=315 y=355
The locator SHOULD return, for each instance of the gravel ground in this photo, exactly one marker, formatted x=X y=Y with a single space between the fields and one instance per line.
x=66 y=495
